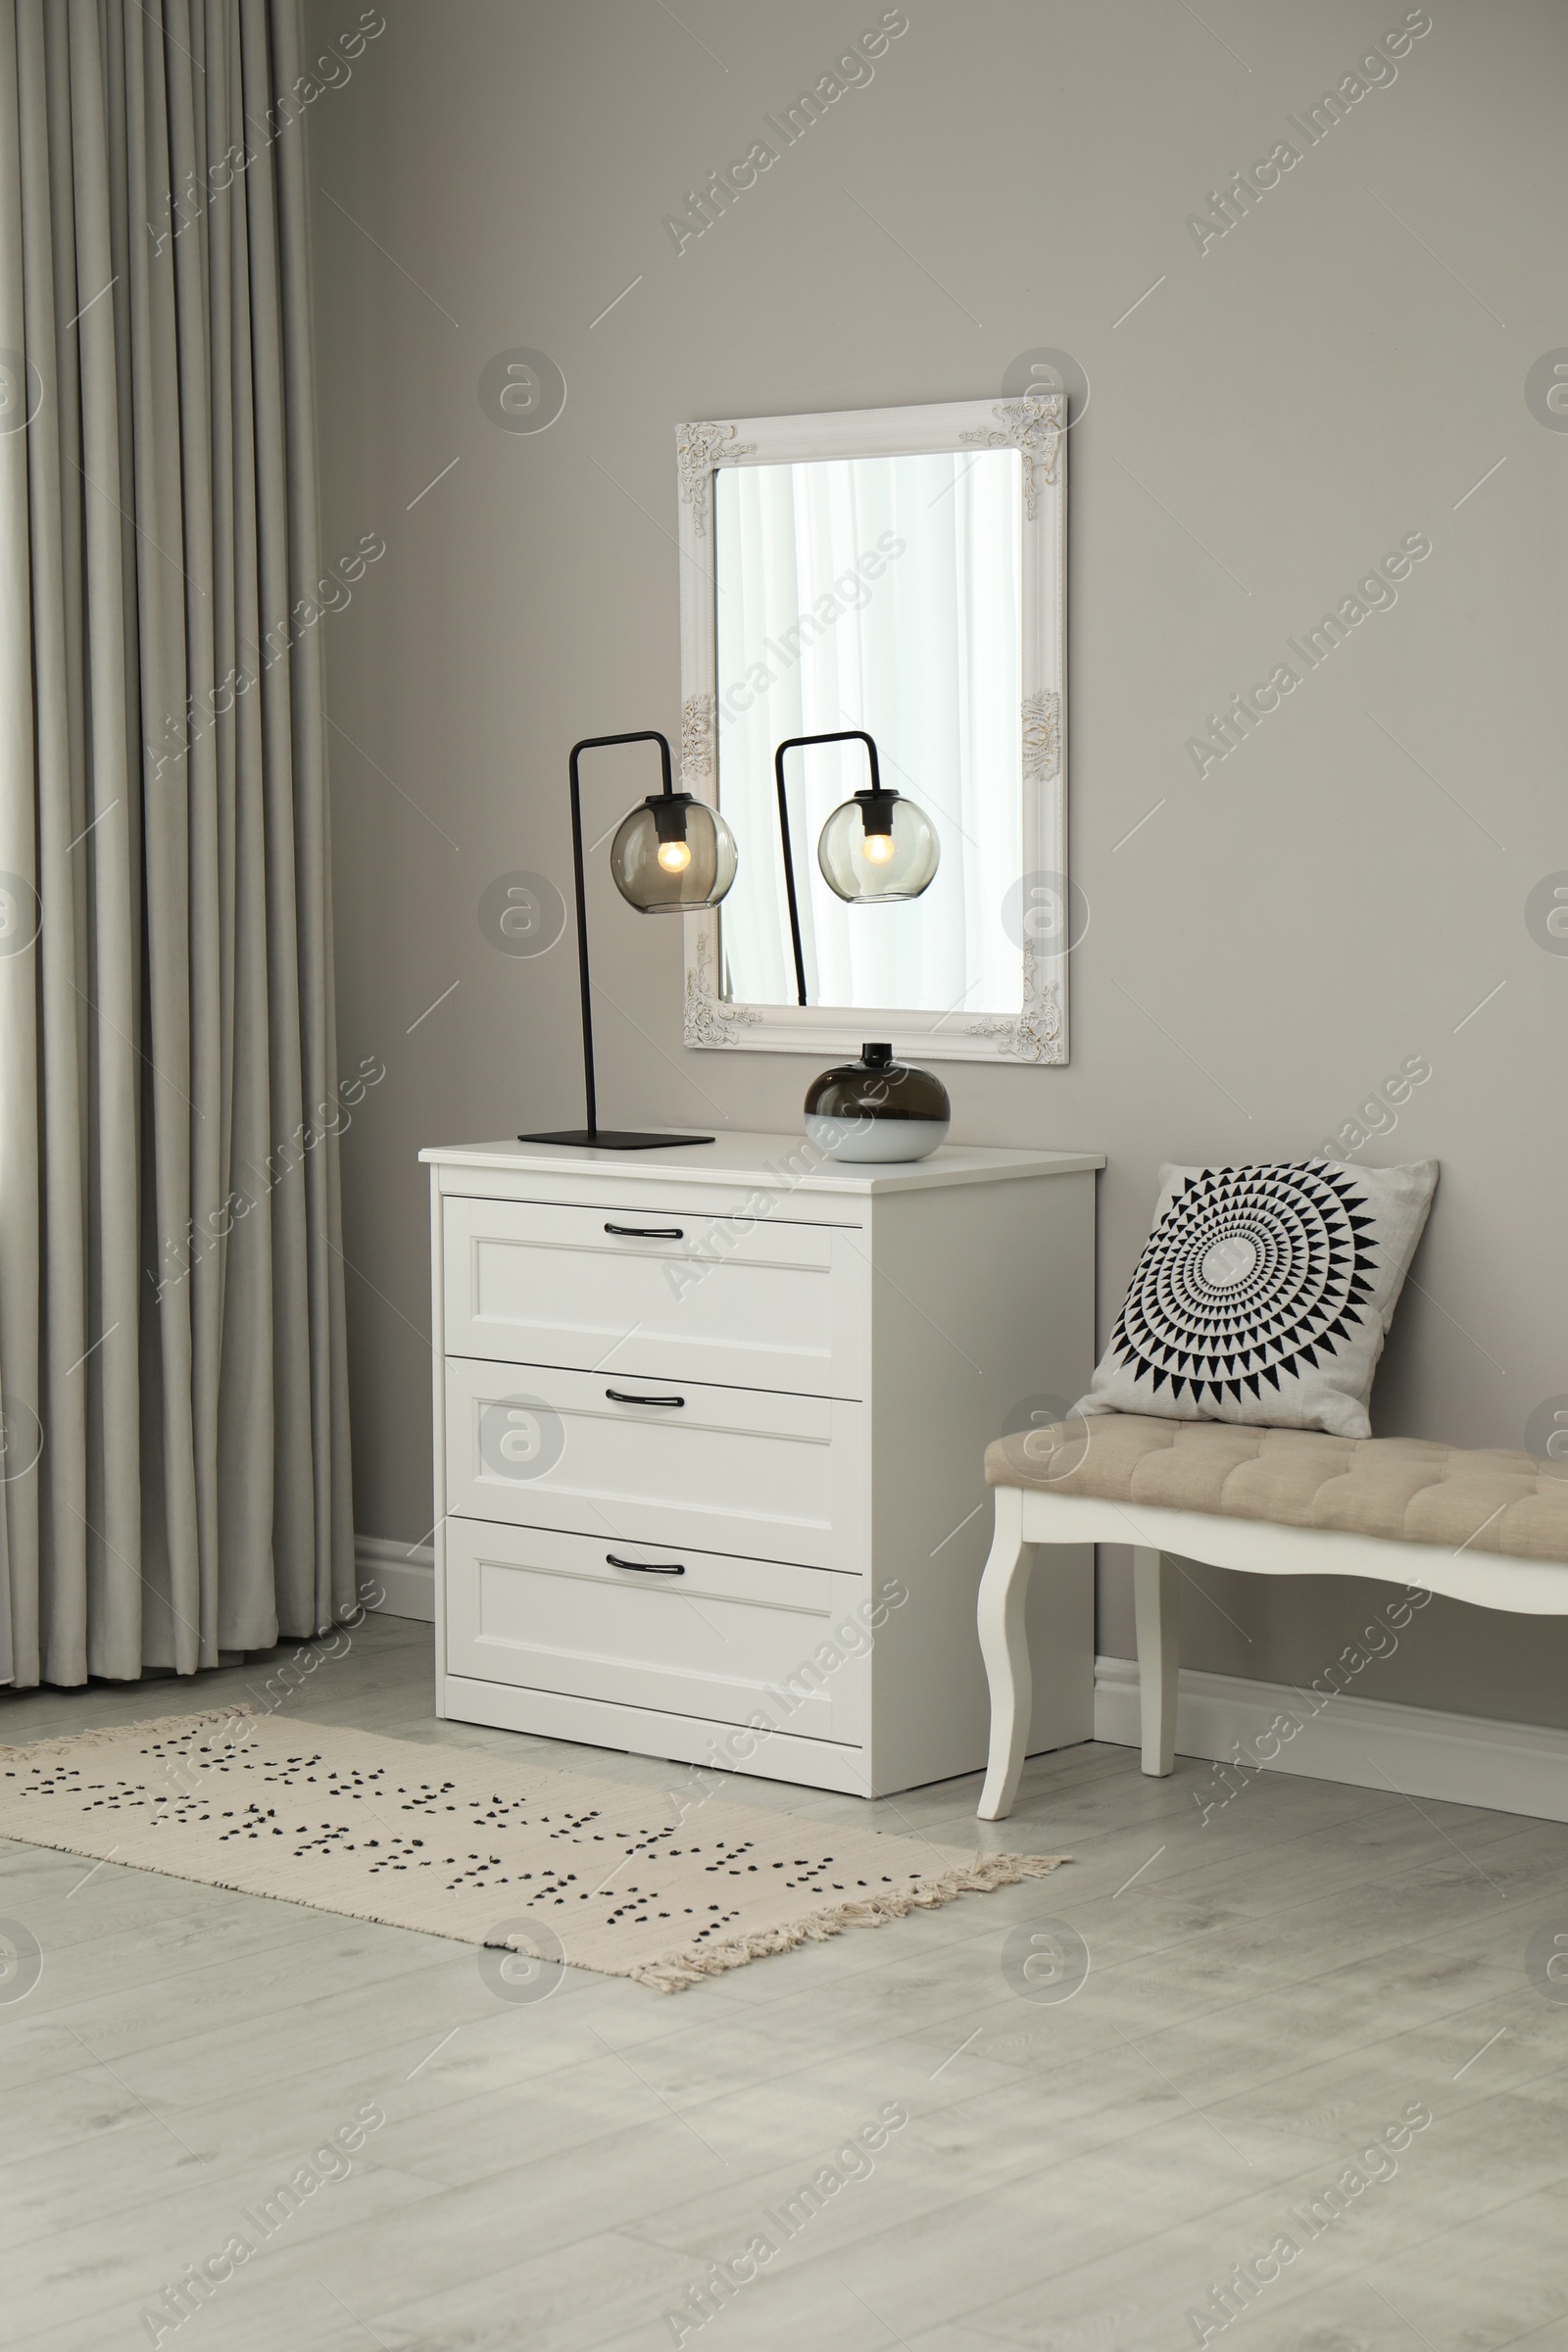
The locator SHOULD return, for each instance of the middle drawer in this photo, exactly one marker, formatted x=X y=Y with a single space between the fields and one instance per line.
x=750 y=1471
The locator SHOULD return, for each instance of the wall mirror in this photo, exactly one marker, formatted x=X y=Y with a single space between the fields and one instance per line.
x=900 y=570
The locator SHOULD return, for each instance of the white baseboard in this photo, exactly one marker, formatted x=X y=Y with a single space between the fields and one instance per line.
x=1459 y=1759
x=403 y=1577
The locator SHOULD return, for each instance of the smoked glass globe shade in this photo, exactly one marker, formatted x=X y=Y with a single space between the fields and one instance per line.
x=670 y=856
x=867 y=866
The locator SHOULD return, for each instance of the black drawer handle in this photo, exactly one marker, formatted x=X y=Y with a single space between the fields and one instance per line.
x=650 y=1233
x=619 y=1396
x=645 y=1567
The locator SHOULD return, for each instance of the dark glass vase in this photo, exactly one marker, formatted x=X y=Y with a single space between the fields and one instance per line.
x=876 y=1108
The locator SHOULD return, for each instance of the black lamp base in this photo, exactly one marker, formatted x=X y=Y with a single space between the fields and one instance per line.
x=614 y=1138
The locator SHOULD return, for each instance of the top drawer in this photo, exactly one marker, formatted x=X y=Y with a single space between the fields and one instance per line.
x=673 y=1293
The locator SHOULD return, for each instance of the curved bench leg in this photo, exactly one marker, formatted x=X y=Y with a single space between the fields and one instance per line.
x=1154 y=1600
x=1005 y=1648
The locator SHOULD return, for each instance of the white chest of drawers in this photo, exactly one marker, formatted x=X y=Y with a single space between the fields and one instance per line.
x=709 y=1437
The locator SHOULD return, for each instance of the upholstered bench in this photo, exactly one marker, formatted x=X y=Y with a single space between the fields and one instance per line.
x=1488 y=1527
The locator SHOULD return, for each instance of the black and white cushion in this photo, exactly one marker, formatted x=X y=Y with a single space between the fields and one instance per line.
x=1264 y=1294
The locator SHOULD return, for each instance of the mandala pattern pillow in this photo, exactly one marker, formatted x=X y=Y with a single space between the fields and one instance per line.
x=1264 y=1294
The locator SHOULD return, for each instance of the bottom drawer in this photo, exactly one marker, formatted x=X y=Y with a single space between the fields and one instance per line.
x=725 y=1639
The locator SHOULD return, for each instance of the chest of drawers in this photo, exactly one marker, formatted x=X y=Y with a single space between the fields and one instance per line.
x=709 y=1437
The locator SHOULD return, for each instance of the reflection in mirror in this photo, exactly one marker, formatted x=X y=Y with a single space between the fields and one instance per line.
x=883 y=593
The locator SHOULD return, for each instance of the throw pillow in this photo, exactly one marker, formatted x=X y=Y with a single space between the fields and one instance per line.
x=1264 y=1294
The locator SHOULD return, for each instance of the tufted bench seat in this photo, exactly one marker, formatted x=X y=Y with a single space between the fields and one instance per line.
x=1489 y=1526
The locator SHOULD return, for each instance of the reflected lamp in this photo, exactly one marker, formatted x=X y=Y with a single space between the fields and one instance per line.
x=875 y=850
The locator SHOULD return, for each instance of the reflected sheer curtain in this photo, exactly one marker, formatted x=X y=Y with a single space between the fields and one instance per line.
x=882 y=593
x=173 y=1367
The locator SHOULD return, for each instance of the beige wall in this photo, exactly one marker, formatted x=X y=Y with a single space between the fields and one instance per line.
x=1284 y=408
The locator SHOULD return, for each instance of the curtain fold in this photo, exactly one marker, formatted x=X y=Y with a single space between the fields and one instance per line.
x=174 y=1480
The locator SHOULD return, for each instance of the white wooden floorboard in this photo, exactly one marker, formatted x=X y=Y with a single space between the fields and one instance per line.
x=1268 y=1987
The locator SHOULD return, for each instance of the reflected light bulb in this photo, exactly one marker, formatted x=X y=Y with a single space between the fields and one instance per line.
x=674 y=857
x=877 y=847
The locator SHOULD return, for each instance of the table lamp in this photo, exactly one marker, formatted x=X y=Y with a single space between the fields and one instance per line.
x=671 y=854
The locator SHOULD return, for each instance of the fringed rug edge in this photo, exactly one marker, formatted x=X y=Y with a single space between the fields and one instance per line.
x=679 y=1971
x=100 y=1735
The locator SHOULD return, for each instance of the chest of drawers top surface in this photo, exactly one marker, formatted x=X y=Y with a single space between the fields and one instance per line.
x=743 y=1160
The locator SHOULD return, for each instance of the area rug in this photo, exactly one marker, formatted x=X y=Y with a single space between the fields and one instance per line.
x=666 y=1888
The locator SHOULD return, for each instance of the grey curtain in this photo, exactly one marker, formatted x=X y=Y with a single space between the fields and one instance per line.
x=175 y=1479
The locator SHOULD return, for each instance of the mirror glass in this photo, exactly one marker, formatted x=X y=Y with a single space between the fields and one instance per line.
x=883 y=593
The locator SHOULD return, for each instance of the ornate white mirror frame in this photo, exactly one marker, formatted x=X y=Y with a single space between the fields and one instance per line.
x=1035 y=1028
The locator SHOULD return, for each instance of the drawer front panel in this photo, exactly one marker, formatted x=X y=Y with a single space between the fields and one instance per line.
x=733 y=1470
x=663 y=1291
x=548 y=1612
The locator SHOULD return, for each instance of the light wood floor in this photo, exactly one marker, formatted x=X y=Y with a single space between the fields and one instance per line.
x=1267 y=1992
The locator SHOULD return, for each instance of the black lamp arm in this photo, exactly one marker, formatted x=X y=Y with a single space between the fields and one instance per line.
x=595 y=743
x=793 y=743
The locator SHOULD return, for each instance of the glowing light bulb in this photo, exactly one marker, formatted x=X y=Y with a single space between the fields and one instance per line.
x=674 y=857
x=877 y=847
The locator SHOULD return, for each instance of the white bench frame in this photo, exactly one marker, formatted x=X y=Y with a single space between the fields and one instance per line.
x=1029 y=1515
